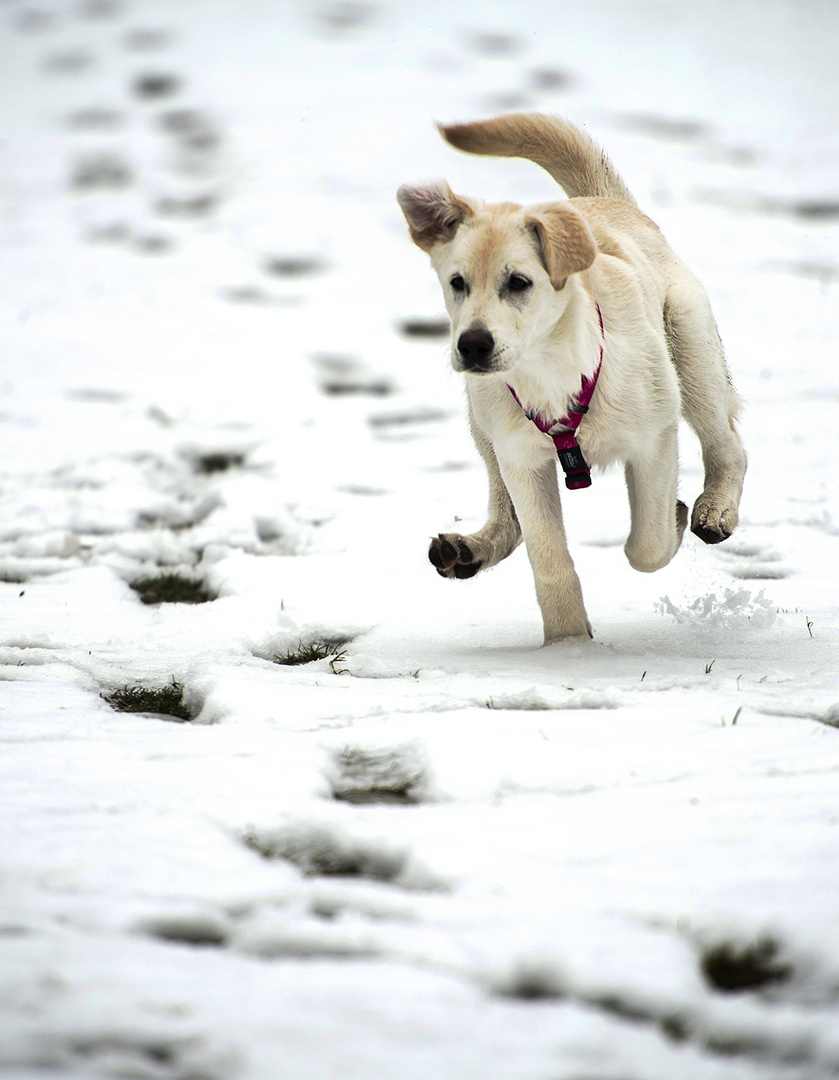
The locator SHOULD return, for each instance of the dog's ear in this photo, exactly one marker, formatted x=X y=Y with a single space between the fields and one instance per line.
x=434 y=213
x=564 y=239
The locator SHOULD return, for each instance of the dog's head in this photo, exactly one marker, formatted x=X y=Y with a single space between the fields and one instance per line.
x=503 y=269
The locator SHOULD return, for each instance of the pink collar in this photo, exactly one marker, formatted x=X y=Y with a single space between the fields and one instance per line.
x=574 y=465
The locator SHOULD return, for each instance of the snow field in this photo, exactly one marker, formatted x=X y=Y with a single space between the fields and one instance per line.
x=439 y=849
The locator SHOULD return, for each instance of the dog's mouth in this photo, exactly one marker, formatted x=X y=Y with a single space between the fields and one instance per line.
x=489 y=368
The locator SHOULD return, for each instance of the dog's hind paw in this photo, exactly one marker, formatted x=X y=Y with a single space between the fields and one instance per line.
x=452 y=557
x=711 y=523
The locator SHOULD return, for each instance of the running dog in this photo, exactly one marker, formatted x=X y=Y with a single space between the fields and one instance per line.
x=582 y=337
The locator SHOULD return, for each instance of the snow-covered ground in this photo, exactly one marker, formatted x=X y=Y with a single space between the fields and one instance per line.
x=439 y=850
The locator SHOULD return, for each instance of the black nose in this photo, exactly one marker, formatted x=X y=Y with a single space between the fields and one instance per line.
x=475 y=348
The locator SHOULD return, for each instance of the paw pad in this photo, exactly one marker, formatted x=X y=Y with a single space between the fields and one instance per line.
x=452 y=557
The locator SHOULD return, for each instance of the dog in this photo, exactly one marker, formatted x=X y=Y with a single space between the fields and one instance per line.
x=583 y=337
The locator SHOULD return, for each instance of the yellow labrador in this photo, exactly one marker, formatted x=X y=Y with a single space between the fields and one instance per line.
x=582 y=337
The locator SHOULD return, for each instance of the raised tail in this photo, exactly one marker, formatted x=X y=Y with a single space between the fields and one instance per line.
x=574 y=160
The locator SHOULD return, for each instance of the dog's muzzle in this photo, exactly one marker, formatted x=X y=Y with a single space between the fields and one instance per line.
x=475 y=348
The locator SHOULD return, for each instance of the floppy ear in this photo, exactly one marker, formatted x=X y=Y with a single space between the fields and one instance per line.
x=434 y=213
x=565 y=240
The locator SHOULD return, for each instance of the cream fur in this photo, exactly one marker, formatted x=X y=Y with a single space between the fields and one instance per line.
x=522 y=285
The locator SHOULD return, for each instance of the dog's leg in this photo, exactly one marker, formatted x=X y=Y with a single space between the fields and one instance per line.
x=456 y=556
x=658 y=519
x=710 y=406
x=536 y=499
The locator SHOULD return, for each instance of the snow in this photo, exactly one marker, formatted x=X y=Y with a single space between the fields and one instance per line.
x=440 y=849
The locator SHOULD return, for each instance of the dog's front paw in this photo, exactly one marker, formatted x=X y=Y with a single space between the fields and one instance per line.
x=712 y=523
x=452 y=557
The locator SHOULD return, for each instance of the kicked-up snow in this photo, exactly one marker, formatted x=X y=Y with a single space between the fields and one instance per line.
x=276 y=801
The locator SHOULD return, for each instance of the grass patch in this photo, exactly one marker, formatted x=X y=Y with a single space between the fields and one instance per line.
x=186 y=928
x=317 y=852
x=422 y=414
x=172 y=588
x=152 y=87
x=734 y=968
x=102 y=171
x=206 y=464
x=392 y=776
x=425 y=328
x=362 y=387
x=293 y=266
x=12 y=577
x=165 y=701
x=533 y=981
x=308 y=652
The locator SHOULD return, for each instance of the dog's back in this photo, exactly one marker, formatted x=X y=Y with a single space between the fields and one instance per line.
x=574 y=160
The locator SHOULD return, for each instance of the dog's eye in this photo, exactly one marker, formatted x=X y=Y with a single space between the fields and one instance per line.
x=457 y=283
x=518 y=283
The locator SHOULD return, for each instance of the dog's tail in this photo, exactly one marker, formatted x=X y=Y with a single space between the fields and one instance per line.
x=574 y=160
